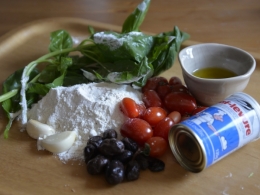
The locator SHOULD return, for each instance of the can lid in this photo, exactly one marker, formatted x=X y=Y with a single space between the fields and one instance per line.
x=186 y=148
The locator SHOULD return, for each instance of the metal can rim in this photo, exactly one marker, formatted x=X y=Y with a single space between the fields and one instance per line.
x=194 y=165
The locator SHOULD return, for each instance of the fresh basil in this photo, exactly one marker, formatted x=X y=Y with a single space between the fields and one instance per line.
x=134 y=20
x=127 y=57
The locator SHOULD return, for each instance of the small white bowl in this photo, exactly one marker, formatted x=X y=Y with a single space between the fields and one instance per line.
x=211 y=91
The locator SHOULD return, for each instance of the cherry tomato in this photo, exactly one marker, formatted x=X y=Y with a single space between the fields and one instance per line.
x=175 y=81
x=163 y=90
x=136 y=129
x=175 y=116
x=184 y=117
x=151 y=99
x=141 y=109
x=198 y=109
x=163 y=127
x=129 y=107
x=153 y=115
x=181 y=102
x=180 y=88
x=153 y=82
x=158 y=146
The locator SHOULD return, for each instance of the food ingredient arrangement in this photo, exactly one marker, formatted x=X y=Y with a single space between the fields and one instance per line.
x=145 y=132
x=137 y=135
x=129 y=57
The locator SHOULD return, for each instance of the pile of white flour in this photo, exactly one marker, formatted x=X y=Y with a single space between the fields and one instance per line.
x=87 y=109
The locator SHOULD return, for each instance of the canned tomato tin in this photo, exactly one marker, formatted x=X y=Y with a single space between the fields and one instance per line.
x=210 y=135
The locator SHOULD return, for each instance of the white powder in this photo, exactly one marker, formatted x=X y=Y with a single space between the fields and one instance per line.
x=87 y=109
x=142 y=6
x=108 y=39
x=114 y=42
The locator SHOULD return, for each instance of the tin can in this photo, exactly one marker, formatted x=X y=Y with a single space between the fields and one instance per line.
x=214 y=133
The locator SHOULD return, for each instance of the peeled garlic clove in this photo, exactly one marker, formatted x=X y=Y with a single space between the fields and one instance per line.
x=36 y=129
x=59 y=142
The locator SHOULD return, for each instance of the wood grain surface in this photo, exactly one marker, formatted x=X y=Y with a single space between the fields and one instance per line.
x=227 y=21
x=26 y=171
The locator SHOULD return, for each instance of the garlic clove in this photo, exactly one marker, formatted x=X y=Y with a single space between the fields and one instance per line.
x=59 y=142
x=36 y=129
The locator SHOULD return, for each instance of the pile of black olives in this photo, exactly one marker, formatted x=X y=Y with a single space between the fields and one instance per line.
x=117 y=159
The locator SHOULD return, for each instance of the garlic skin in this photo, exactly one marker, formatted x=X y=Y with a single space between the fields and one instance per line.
x=36 y=129
x=59 y=142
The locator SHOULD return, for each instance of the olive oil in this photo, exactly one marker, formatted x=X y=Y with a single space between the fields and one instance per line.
x=214 y=73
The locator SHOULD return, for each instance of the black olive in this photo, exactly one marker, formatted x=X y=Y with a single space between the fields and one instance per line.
x=155 y=164
x=130 y=144
x=142 y=161
x=97 y=165
x=109 y=133
x=90 y=151
x=111 y=147
x=124 y=157
x=114 y=172
x=132 y=171
x=95 y=140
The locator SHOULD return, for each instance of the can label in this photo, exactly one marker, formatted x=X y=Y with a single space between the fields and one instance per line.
x=226 y=126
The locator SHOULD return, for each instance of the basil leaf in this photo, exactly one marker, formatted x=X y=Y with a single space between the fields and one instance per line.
x=91 y=30
x=165 y=49
x=38 y=88
x=14 y=82
x=134 y=21
x=49 y=74
x=113 y=46
x=12 y=105
x=74 y=78
x=7 y=104
x=60 y=40
x=127 y=77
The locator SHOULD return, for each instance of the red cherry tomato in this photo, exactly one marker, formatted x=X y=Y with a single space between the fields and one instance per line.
x=180 y=88
x=175 y=116
x=184 y=117
x=151 y=99
x=175 y=81
x=153 y=115
x=136 y=129
x=129 y=107
x=198 y=109
x=141 y=109
x=153 y=82
x=181 y=102
x=163 y=90
x=158 y=146
x=163 y=127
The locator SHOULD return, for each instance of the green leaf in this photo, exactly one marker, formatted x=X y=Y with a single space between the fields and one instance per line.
x=91 y=30
x=14 y=82
x=165 y=50
x=49 y=74
x=65 y=63
x=7 y=107
x=38 y=88
x=133 y=74
x=74 y=78
x=134 y=21
x=60 y=40
x=113 y=46
x=11 y=105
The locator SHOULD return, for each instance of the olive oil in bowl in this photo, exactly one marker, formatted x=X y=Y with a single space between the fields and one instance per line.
x=214 y=73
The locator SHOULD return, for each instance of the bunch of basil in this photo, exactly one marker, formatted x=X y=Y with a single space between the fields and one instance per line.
x=133 y=59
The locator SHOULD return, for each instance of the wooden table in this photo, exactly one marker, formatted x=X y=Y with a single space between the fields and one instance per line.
x=229 y=22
